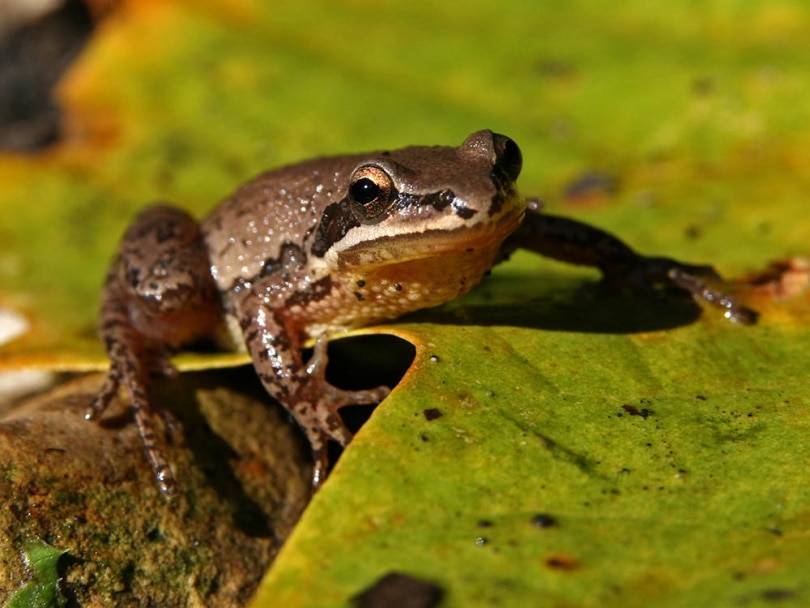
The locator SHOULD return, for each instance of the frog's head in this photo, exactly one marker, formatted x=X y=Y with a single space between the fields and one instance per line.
x=422 y=202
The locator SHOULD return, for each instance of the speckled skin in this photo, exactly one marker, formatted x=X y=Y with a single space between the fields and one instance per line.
x=379 y=270
x=318 y=247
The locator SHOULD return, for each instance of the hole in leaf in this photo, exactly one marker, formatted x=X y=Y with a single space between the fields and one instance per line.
x=365 y=362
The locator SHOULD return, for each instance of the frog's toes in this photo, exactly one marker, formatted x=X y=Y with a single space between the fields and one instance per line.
x=338 y=398
x=107 y=393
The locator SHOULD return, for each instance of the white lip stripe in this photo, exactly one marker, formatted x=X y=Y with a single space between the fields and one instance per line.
x=447 y=222
x=380 y=248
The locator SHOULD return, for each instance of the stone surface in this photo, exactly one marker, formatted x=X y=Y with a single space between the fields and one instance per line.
x=86 y=488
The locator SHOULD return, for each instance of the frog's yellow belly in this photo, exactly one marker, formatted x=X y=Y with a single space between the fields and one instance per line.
x=391 y=290
x=379 y=294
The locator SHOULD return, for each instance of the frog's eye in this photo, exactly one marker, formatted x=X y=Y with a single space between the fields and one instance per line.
x=372 y=189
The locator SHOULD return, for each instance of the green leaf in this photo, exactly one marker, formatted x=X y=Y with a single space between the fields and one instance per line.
x=669 y=448
x=671 y=462
x=43 y=590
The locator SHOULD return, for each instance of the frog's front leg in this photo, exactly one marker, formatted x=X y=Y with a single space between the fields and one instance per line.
x=273 y=342
x=159 y=295
x=574 y=242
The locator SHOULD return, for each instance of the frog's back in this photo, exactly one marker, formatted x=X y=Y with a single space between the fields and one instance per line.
x=270 y=216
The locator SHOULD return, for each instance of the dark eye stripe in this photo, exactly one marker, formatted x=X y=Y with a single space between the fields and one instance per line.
x=336 y=221
x=339 y=218
x=440 y=201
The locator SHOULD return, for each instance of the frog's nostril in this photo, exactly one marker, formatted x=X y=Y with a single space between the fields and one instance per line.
x=508 y=159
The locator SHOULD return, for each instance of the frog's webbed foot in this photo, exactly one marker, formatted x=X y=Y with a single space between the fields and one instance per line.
x=641 y=273
x=574 y=242
x=335 y=397
x=320 y=418
x=695 y=285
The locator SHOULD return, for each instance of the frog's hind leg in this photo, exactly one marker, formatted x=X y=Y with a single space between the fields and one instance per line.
x=130 y=363
x=158 y=296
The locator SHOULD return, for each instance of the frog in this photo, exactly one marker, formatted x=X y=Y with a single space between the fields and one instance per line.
x=302 y=253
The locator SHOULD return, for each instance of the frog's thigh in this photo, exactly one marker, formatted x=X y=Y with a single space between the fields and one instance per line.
x=164 y=269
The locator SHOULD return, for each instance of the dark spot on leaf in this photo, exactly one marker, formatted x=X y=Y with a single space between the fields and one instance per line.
x=555 y=68
x=543 y=520
x=703 y=86
x=562 y=561
x=692 y=232
x=778 y=595
x=591 y=187
x=634 y=411
x=396 y=590
x=485 y=523
x=432 y=413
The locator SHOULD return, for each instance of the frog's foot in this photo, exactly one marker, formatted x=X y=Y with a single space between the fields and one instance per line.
x=108 y=391
x=645 y=272
x=330 y=396
x=160 y=363
x=321 y=421
x=319 y=442
x=319 y=416
x=141 y=411
x=141 y=408
x=700 y=289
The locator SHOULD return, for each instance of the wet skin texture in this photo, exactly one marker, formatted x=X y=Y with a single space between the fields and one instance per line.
x=322 y=246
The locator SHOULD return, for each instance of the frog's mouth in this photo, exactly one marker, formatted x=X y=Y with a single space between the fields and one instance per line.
x=481 y=240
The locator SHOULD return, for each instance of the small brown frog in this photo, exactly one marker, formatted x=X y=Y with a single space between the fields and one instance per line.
x=330 y=244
